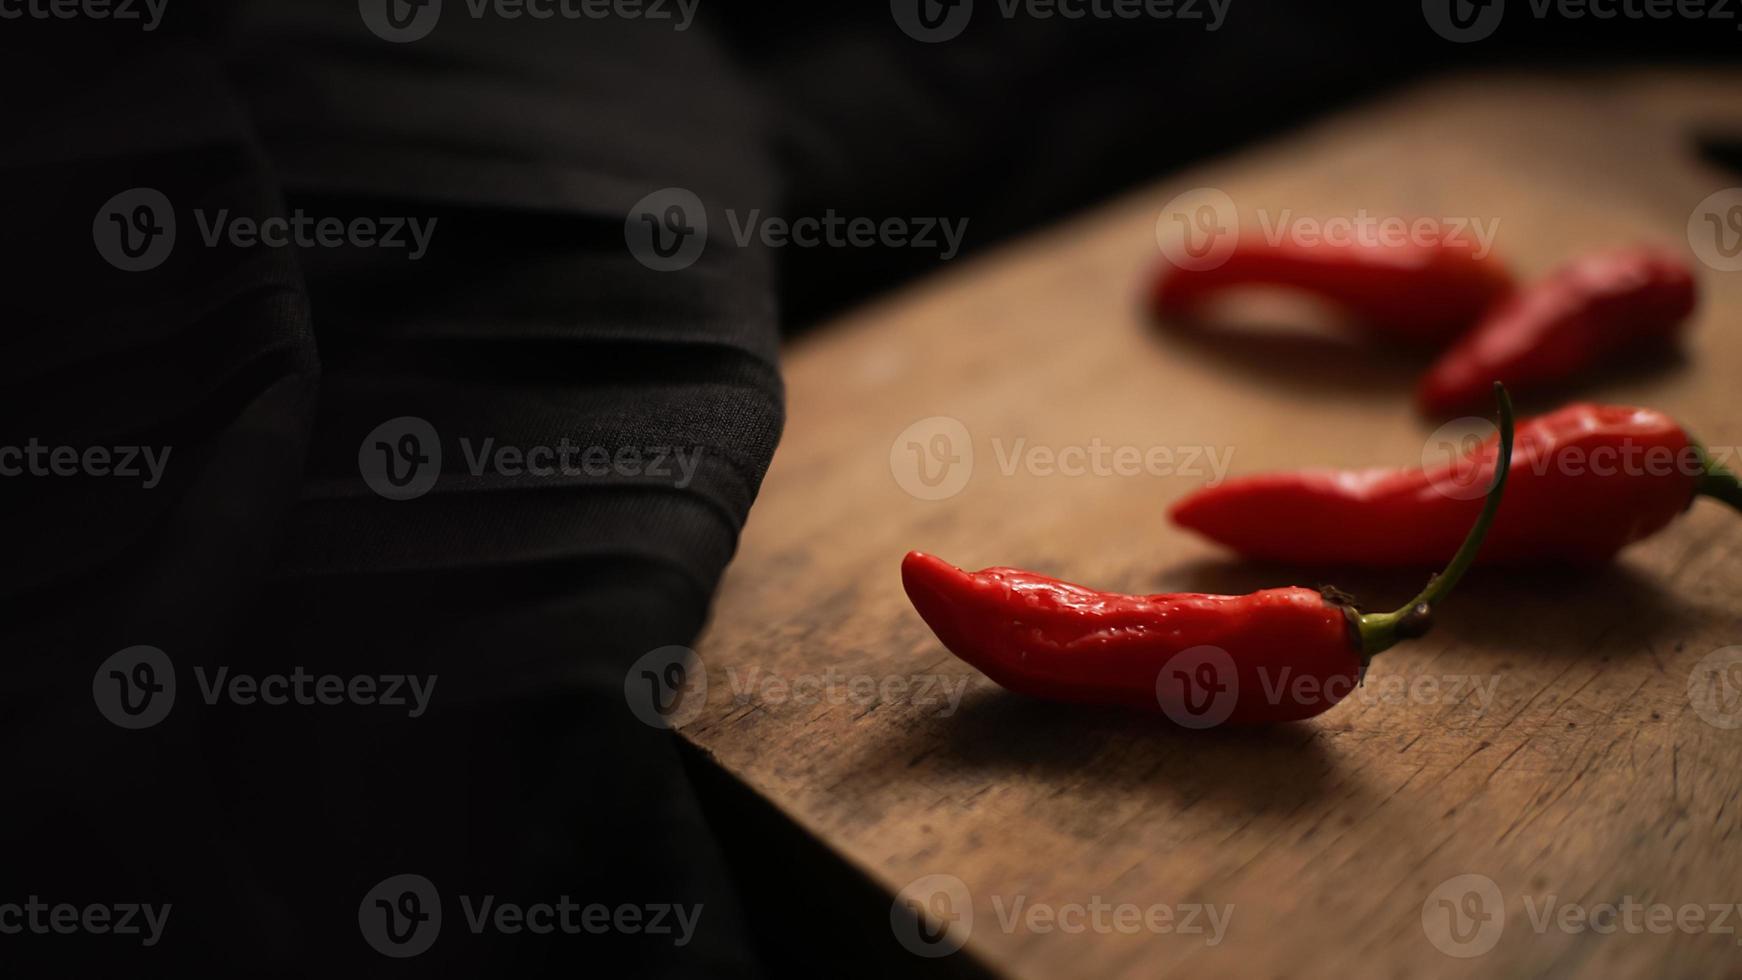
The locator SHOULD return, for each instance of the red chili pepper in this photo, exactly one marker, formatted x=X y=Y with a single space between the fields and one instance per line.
x=1409 y=291
x=1589 y=312
x=1276 y=655
x=1587 y=480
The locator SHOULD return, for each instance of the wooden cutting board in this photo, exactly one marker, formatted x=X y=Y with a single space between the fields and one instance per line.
x=1543 y=738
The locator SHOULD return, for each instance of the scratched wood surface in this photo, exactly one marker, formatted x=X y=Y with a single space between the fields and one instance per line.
x=1542 y=738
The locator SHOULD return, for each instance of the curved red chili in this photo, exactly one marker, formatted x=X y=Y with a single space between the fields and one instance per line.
x=1419 y=293
x=1276 y=655
x=1587 y=313
x=1586 y=481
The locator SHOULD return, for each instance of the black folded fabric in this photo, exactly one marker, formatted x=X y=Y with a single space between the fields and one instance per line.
x=257 y=373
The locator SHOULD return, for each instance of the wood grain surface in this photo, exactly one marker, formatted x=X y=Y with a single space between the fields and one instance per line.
x=1542 y=738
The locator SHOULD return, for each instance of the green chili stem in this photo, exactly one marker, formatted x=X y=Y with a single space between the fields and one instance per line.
x=1717 y=482
x=1381 y=631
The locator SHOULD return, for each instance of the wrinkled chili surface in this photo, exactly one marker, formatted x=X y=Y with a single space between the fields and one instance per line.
x=1039 y=636
x=1587 y=480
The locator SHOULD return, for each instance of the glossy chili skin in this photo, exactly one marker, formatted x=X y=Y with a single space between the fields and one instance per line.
x=1586 y=481
x=1590 y=312
x=1409 y=292
x=1291 y=650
